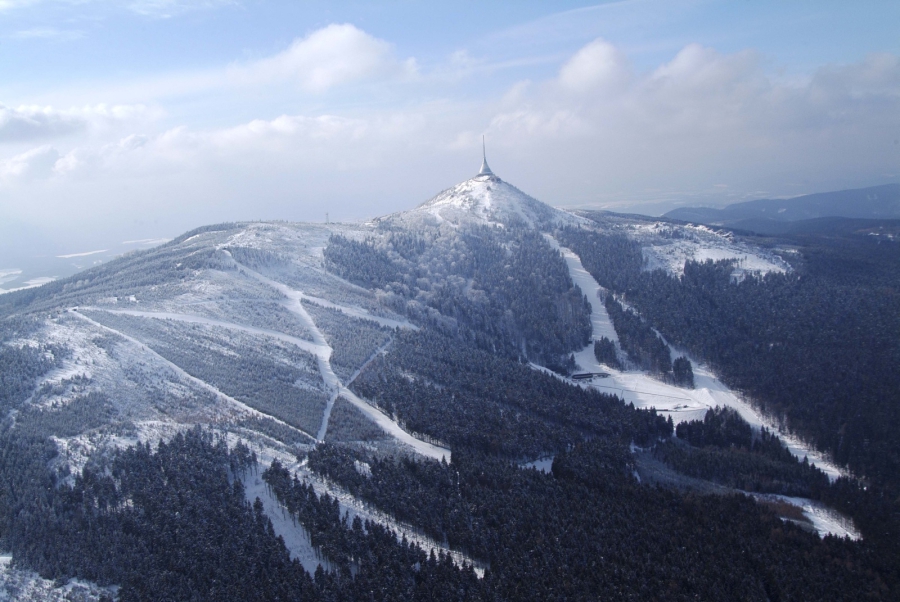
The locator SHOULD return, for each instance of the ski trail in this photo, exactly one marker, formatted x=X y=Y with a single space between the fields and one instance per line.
x=392 y=428
x=326 y=416
x=333 y=382
x=296 y=537
x=323 y=349
x=600 y=322
x=313 y=348
x=358 y=507
x=362 y=314
x=681 y=404
x=193 y=379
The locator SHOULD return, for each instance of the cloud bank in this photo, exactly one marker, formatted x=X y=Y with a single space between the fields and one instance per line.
x=597 y=132
x=27 y=123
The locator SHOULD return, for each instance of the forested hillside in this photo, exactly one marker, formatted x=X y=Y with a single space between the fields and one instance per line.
x=505 y=291
x=388 y=411
x=817 y=347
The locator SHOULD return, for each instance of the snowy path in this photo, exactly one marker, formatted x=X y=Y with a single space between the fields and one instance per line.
x=295 y=305
x=351 y=505
x=361 y=314
x=371 y=359
x=23 y=585
x=313 y=348
x=296 y=538
x=600 y=322
x=392 y=428
x=681 y=404
x=326 y=416
x=244 y=408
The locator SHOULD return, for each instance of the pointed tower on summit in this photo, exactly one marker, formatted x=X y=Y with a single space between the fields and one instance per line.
x=485 y=170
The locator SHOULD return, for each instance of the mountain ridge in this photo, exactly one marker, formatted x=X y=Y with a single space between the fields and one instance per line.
x=874 y=202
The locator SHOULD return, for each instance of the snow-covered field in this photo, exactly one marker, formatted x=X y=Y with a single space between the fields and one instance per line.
x=669 y=246
x=266 y=452
x=31 y=283
x=296 y=538
x=600 y=323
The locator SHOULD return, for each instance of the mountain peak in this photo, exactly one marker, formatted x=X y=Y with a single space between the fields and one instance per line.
x=485 y=200
x=488 y=200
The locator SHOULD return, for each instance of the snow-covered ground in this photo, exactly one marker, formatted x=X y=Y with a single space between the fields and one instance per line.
x=295 y=304
x=239 y=406
x=33 y=282
x=305 y=345
x=267 y=452
x=392 y=428
x=296 y=538
x=544 y=465
x=681 y=404
x=362 y=314
x=8 y=275
x=17 y=585
x=600 y=323
x=668 y=246
x=823 y=519
x=483 y=200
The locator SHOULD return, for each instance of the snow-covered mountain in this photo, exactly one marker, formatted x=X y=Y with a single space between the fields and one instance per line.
x=485 y=200
x=284 y=336
x=160 y=335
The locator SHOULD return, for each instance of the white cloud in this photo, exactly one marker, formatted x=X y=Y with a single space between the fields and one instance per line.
x=599 y=64
x=12 y=4
x=595 y=131
x=878 y=75
x=333 y=55
x=700 y=119
x=31 y=122
x=329 y=58
x=36 y=163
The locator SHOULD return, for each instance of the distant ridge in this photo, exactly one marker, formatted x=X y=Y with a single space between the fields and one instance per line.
x=775 y=215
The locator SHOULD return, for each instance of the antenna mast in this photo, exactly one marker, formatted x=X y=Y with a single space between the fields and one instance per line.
x=485 y=170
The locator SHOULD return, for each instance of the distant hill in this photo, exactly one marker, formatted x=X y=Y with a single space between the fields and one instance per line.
x=772 y=216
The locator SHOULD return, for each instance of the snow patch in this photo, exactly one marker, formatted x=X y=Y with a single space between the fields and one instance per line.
x=296 y=538
x=823 y=519
x=26 y=586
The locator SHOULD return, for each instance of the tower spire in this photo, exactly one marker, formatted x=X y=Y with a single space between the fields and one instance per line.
x=485 y=170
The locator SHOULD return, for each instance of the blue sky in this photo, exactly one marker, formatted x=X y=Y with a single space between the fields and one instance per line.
x=138 y=120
